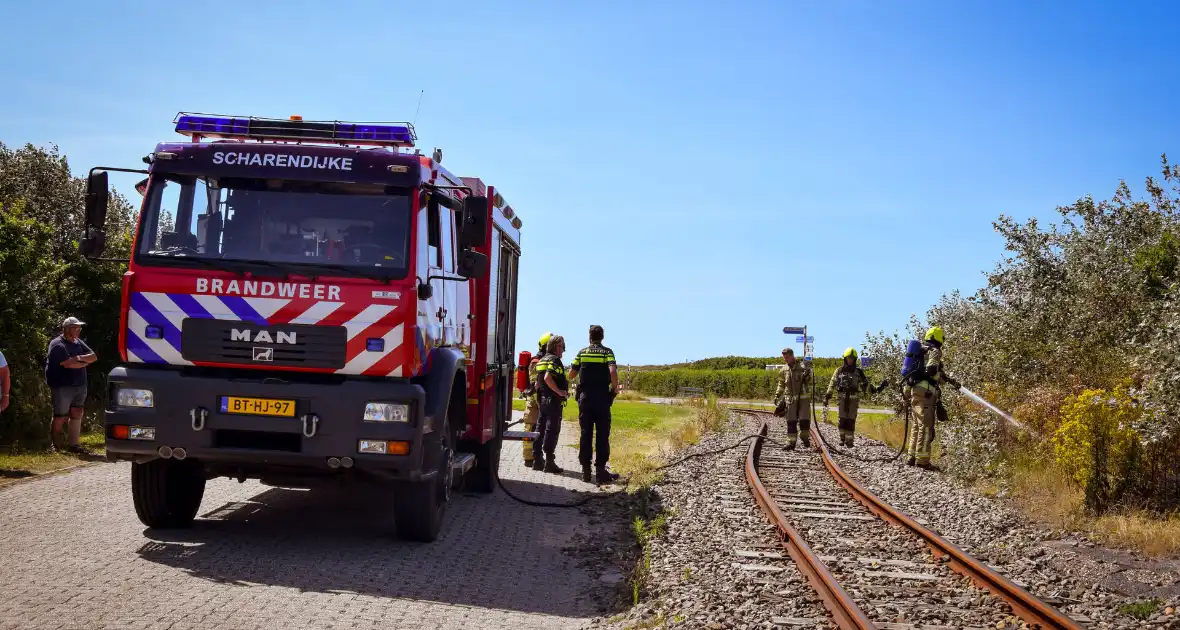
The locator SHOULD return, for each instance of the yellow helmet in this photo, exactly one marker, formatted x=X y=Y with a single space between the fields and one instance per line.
x=850 y=352
x=934 y=334
x=544 y=340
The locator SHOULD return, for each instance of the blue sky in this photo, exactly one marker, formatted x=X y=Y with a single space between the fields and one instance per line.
x=692 y=176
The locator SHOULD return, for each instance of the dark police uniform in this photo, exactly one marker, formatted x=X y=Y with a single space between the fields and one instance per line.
x=595 y=396
x=549 y=424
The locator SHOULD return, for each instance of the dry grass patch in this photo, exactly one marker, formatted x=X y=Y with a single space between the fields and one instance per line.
x=1045 y=493
x=17 y=464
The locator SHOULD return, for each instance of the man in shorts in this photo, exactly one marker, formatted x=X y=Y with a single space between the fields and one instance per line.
x=5 y=382
x=65 y=373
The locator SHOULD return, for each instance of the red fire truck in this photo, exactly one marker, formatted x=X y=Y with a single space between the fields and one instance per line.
x=309 y=300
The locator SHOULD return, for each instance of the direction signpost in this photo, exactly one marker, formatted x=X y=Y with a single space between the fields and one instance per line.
x=803 y=338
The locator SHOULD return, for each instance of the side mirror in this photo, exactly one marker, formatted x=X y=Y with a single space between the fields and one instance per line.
x=93 y=244
x=98 y=195
x=472 y=264
x=474 y=230
x=425 y=291
x=141 y=187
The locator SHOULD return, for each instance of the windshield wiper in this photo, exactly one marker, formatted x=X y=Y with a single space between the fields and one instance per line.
x=224 y=264
x=240 y=266
x=342 y=271
x=212 y=263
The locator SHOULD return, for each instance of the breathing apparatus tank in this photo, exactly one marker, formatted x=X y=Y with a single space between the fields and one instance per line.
x=913 y=368
x=523 y=361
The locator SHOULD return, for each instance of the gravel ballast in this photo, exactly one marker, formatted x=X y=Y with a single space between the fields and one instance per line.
x=719 y=564
x=1086 y=581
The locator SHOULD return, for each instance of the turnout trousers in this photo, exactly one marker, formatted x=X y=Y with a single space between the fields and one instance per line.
x=798 y=420
x=549 y=428
x=847 y=407
x=532 y=411
x=924 y=404
x=594 y=418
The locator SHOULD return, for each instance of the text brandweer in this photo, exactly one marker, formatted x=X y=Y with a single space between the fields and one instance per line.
x=282 y=159
x=217 y=286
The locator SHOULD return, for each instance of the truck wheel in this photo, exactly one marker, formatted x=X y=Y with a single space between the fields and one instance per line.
x=167 y=493
x=419 y=506
x=487 y=465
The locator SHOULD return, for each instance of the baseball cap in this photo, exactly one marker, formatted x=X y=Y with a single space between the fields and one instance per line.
x=72 y=321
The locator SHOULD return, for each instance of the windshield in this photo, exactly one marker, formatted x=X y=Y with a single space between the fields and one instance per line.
x=283 y=222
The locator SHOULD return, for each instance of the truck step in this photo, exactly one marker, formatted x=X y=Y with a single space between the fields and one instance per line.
x=463 y=463
x=520 y=435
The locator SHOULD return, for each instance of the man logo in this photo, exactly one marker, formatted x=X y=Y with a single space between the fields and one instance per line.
x=264 y=354
x=262 y=336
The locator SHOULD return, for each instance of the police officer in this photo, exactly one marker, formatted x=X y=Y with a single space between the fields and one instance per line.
x=792 y=395
x=531 y=409
x=597 y=388
x=926 y=399
x=552 y=392
x=848 y=381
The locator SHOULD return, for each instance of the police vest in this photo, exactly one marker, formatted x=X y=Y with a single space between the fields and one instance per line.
x=550 y=365
x=593 y=364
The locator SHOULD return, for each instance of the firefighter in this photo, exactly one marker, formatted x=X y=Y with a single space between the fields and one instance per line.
x=848 y=382
x=597 y=388
x=792 y=398
x=531 y=410
x=552 y=391
x=926 y=400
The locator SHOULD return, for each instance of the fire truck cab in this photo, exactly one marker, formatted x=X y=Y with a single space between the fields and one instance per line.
x=308 y=301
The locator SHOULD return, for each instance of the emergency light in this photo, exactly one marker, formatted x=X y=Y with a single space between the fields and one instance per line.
x=295 y=129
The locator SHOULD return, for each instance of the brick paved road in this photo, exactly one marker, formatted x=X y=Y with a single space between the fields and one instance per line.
x=73 y=555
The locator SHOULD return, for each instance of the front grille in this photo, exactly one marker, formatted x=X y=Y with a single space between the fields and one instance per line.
x=227 y=341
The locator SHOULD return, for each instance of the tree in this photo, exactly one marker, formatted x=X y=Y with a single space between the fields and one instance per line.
x=45 y=278
x=1090 y=303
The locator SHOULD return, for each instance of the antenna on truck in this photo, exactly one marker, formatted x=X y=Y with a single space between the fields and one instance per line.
x=420 y=95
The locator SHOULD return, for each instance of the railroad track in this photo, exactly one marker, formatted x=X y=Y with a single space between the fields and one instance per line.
x=871 y=565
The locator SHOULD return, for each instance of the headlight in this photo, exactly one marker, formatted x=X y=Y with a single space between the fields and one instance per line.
x=387 y=412
x=135 y=398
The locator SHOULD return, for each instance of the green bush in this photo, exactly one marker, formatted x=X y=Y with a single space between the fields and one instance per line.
x=1072 y=308
x=734 y=383
x=43 y=279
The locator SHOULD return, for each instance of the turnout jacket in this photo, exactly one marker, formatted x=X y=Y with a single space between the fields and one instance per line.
x=794 y=383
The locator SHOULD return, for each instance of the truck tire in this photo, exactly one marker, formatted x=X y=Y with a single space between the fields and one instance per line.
x=167 y=493
x=419 y=506
x=487 y=464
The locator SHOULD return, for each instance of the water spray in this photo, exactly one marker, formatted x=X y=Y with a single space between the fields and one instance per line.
x=994 y=409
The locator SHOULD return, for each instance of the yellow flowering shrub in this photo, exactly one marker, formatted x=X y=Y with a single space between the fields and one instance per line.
x=1091 y=415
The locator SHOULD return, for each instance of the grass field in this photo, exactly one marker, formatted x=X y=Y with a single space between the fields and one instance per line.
x=26 y=464
x=882 y=427
x=639 y=431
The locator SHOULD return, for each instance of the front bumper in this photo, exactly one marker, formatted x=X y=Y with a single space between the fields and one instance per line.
x=258 y=446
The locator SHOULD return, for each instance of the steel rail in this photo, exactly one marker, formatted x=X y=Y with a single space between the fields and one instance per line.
x=1024 y=604
x=845 y=612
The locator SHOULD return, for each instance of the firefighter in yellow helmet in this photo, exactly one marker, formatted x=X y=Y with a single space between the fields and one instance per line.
x=792 y=398
x=531 y=408
x=925 y=397
x=848 y=382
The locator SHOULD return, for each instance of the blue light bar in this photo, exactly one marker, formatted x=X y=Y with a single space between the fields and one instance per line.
x=379 y=134
x=375 y=344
